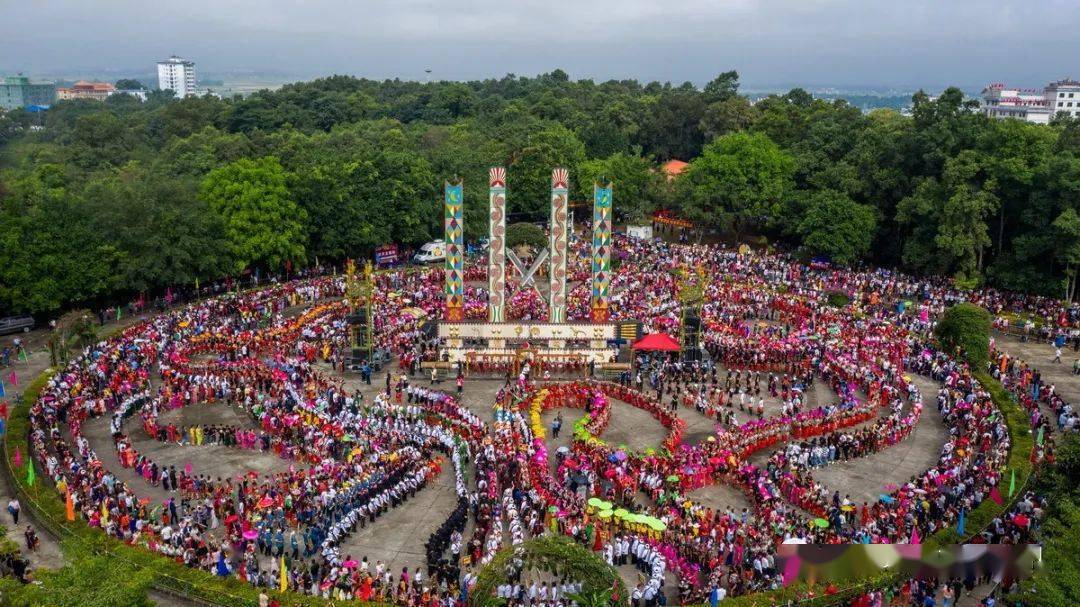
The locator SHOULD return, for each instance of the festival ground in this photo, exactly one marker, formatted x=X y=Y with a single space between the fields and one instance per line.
x=398 y=538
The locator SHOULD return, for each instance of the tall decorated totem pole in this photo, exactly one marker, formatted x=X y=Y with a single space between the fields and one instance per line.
x=601 y=252
x=455 y=255
x=560 y=202
x=496 y=244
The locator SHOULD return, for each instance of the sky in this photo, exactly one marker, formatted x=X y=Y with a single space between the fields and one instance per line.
x=895 y=43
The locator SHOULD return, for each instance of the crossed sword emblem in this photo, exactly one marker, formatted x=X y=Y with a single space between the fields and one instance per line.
x=528 y=276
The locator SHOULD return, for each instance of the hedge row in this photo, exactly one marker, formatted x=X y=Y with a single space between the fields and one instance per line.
x=48 y=510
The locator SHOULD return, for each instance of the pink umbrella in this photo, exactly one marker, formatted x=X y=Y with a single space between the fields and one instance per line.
x=251 y=534
x=350 y=564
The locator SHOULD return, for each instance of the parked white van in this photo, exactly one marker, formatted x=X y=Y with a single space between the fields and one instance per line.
x=431 y=252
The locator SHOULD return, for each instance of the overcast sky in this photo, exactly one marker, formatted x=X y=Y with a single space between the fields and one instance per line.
x=841 y=42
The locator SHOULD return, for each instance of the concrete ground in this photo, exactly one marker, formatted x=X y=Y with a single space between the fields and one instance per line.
x=864 y=479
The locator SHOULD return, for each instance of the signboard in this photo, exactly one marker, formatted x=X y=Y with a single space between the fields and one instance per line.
x=386 y=255
x=640 y=232
x=527 y=330
x=630 y=330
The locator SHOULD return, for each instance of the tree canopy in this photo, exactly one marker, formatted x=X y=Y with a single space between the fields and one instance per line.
x=100 y=201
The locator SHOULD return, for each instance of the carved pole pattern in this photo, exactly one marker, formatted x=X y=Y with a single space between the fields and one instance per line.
x=560 y=179
x=496 y=244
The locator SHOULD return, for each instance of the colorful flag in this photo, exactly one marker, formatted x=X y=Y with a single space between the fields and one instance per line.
x=2 y=392
x=1039 y=438
x=996 y=496
x=30 y=476
x=104 y=513
x=1012 y=483
x=284 y=584
x=960 y=525
x=14 y=379
x=22 y=354
x=914 y=535
x=69 y=507
x=18 y=457
x=118 y=313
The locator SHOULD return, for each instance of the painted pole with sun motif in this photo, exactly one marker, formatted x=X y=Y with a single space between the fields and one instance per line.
x=560 y=202
x=601 y=252
x=455 y=258
x=496 y=244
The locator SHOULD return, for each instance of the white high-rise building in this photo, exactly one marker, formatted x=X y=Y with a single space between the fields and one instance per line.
x=177 y=75
x=1032 y=105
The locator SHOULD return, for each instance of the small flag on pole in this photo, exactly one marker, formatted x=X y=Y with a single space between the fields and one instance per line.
x=69 y=507
x=914 y=535
x=284 y=585
x=2 y=392
x=14 y=379
x=18 y=457
x=996 y=496
x=1012 y=483
x=960 y=525
x=30 y=476
x=1039 y=438
x=22 y=355
x=118 y=313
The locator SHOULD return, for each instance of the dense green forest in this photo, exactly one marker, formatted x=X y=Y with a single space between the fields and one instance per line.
x=104 y=200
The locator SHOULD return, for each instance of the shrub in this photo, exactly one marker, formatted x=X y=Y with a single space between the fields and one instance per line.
x=837 y=299
x=528 y=234
x=965 y=330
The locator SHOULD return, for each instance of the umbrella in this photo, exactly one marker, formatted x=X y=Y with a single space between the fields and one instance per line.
x=251 y=534
x=674 y=478
x=847 y=508
x=891 y=487
x=820 y=522
x=563 y=449
x=888 y=499
x=595 y=502
x=350 y=564
x=553 y=508
x=621 y=513
x=657 y=524
x=266 y=502
x=620 y=456
x=605 y=514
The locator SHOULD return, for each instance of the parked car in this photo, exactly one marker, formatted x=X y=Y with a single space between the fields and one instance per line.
x=15 y=324
x=431 y=252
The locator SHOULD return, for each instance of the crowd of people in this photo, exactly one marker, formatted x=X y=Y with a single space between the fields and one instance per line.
x=774 y=343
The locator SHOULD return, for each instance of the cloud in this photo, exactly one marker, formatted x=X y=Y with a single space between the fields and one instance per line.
x=809 y=41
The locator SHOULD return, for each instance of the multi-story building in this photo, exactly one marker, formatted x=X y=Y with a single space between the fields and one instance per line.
x=18 y=91
x=1032 y=105
x=1064 y=97
x=86 y=90
x=177 y=75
